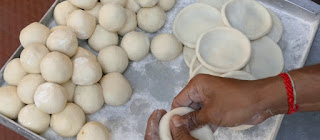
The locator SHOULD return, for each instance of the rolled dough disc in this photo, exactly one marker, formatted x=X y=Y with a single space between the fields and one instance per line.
x=277 y=28
x=193 y=20
x=188 y=54
x=223 y=49
x=194 y=64
x=202 y=70
x=241 y=75
x=214 y=3
x=203 y=133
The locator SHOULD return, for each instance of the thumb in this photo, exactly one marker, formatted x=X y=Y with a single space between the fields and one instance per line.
x=195 y=119
x=179 y=130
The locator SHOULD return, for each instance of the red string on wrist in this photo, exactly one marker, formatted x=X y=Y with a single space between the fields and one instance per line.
x=290 y=93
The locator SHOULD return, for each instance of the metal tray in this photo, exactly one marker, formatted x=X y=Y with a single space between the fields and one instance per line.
x=155 y=83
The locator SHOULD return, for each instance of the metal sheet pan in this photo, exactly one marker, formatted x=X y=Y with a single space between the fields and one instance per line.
x=155 y=83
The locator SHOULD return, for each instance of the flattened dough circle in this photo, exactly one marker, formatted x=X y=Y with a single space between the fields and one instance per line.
x=248 y=16
x=214 y=3
x=202 y=70
x=223 y=49
x=194 y=20
x=188 y=55
x=241 y=75
x=277 y=28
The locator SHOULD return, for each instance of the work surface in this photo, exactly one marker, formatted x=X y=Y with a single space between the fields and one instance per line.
x=298 y=126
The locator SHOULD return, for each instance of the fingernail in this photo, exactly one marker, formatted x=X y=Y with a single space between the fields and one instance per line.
x=177 y=121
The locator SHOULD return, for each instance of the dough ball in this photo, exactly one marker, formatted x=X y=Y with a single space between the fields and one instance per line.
x=102 y=38
x=64 y=41
x=28 y=86
x=10 y=104
x=70 y=87
x=93 y=131
x=81 y=23
x=34 y=33
x=113 y=59
x=14 y=72
x=58 y=27
x=151 y=19
x=95 y=11
x=147 y=3
x=86 y=71
x=62 y=11
x=33 y=119
x=31 y=57
x=120 y=2
x=112 y=17
x=56 y=67
x=132 y=5
x=89 y=98
x=84 y=4
x=68 y=122
x=82 y=52
x=136 y=45
x=131 y=23
x=116 y=89
x=166 y=5
x=166 y=47
x=50 y=98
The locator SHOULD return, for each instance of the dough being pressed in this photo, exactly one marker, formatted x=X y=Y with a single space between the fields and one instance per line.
x=147 y=3
x=204 y=133
x=28 y=86
x=33 y=119
x=223 y=49
x=194 y=64
x=93 y=131
x=194 y=20
x=64 y=41
x=214 y=3
x=131 y=23
x=50 y=98
x=277 y=28
x=151 y=19
x=86 y=71
x=188 y=55
x=248 y=16
x=102 y=38
x=14 y=72
x=31 y=57
x=70 y=87
x=266 y=60
x=89 y=98
x=120 y=2
x=82 y=52
x=116 y=89
x=34 y=33
x=84 y=4
x=202 y=70
x=56 y=67
x=62 y=11
x=10 y=104
x=112 y=17
x=136 y=45
x=113 y=59
x=81 y=23
x=165 y=47
x=69 y=121
x=132 y=5
x=166 y=5
x=95 y=11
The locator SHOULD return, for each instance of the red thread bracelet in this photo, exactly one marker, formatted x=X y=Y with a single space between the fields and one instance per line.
x=290 y=93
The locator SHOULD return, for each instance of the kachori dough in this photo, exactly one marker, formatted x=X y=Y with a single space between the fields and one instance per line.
x=102 y=38
x=112 y=17
x=136 y=45
x=10 y=104
x=132 y=5
x=64 y=41
x=202 y=70
x=147 y=3
x=82 y=52
x=93 y=131
x=120 y=2
x=84 y=4
x=81 y=23
x=14 y=72
x=194 y=64
x=166 y=5
x=86 y=71
x=131 y=23
x=62 y=11
x=31 y=57
x=95 y=11
x=165 y=47
x=277 y=28
x=69 y=86
x=241 y=75
x=113 y=59
x=89 y=98
x=58 y=27
x=214 y=3
x=151 y=19
x=34 y=33
x=28 y=86
x=188 y=55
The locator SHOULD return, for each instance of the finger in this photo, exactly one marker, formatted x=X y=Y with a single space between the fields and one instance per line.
x=152 y=131
x=195 y=119
x=179 y=130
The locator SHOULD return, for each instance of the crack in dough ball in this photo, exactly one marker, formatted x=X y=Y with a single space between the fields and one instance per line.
x=31 y=57
x=14 y=72
x=82 y=52
x=86 y=71
x=151 y=19
x=112 y=17
x=70 y=87
x=136 y=45
x=147 y=3
x=120 y=2
x=64 y=41
x=34 y=33
x=81 y=23
x=166 y=5
x=69 y=121
x=102 y=38
x=116 y=89
x=89 y=98
x=84 y=4
x=10 y=104
x=166 y=47
x=93 y=131
x=50 y=98
x=28 y=86
x=56 y=67
x=62 y=11
x=95 y=11
x=132 y=5
x=113 y=59
x=131 y=23
x=33 y=119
